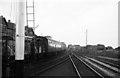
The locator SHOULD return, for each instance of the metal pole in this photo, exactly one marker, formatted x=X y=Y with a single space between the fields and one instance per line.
x=20 y=33
x=1 y=46
x=118 y=23
x=34 y=16
x=34 y=29
x=26 y=14
x=86 y=36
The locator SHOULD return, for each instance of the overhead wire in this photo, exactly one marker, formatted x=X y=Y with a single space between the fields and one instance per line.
x=10 y=8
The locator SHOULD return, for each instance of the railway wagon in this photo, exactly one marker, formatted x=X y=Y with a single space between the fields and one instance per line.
x=49 y=46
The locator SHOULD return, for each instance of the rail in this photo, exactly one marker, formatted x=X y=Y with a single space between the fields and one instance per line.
x=75 y=67
x=88 y=66
x=49 y=67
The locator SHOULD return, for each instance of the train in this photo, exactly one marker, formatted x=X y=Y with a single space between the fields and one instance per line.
x=36 y=46
x=46 y=46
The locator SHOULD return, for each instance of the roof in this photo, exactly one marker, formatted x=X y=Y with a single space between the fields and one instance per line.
x=3 y=21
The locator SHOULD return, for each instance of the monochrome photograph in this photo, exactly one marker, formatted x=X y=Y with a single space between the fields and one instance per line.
x=59 y=38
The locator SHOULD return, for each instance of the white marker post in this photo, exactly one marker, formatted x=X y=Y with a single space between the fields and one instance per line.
x=20 y=33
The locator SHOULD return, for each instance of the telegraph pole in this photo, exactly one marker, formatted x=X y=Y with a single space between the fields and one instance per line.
x=86 y=36
x=20 y=39
x=118 y=23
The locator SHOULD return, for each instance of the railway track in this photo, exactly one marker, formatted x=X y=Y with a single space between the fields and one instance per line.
x=83 y=69
x=106 y=69
x=49 y=65
x=41 y=64
x=114 y=59
x=60 y=67
x=77 y=66
x=111 y=63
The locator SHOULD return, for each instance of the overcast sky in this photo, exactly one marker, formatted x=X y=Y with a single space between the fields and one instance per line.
x=67 y=20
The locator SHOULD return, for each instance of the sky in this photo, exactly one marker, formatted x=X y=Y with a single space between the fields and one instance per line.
x=68 y=20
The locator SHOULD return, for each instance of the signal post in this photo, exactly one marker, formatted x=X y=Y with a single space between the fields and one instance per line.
x=20 y=40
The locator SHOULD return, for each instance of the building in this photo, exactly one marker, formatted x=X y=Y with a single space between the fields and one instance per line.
x=11 y=29
x=7 y=36
x=7 y=40
x=92 y=47
x=100 y=47
x=7 y=29
x=29 y=31
x=96 y=47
